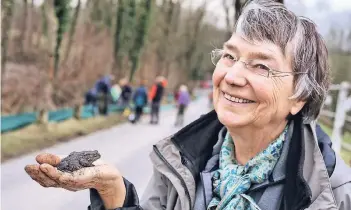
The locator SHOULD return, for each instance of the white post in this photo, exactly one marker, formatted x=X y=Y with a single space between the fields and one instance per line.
x=340 y=113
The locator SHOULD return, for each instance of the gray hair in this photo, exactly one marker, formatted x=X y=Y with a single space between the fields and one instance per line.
x=267 y=20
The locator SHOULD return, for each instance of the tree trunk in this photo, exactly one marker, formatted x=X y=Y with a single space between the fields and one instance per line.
x=117 y=38
x=163 y=55
x=129 y=35
x=45 y=23
x=24 y=27
x=7 y=13
x=227 y=18
x=167 y=29
x=72 y=31
x=62 y=12
x=30 y=24
x=192 y=40
x=142 y=30
x=237 y=7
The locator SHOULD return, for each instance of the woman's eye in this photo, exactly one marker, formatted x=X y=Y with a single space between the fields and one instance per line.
x=261 y=66
x=228 y=56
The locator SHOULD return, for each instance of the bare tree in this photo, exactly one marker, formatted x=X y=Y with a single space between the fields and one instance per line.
x=192 y=37
x=24 y=27
x=72 y=30
x=168 y=8
x=6 y=19
x=117 y=37
x=227 y=17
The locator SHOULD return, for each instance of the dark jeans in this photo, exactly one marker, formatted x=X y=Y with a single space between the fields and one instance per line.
x=180 y=115
x=91 y=99
x=138 y=113
x=103 y=99
x=155 y=110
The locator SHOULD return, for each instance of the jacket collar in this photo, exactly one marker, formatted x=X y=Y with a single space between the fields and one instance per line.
x=195 y=141
x=304 y=160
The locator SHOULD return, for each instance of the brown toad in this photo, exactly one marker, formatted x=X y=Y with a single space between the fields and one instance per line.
x=78 y=160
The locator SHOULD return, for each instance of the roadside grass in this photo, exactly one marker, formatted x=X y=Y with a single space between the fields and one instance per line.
x=35 y=137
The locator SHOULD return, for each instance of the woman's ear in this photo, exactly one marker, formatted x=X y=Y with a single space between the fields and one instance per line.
x=296 y=107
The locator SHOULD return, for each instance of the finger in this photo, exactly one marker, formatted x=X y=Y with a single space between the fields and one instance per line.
x=81 y=179
x=85 y=178
x=51 y=171
x=37 y=175
x=48 y=158
x=92 y=175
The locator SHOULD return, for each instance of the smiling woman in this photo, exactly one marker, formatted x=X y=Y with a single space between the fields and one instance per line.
x=259 y=149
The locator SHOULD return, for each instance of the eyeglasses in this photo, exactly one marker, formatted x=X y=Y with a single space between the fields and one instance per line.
x=218 y=56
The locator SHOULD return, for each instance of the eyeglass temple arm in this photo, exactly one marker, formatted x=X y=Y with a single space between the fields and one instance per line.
x=282 y=72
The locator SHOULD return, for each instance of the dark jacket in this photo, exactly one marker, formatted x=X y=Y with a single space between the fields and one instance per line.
x=159 y=93
x=313 y=177
x=103 y=85
x=126 y=92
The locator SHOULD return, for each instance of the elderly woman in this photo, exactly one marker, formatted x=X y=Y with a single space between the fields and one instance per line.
x=259 y=149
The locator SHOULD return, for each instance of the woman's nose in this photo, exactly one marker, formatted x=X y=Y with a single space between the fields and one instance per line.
x=236 y=76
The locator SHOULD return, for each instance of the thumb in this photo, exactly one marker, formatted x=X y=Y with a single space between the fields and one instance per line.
x=48 y=158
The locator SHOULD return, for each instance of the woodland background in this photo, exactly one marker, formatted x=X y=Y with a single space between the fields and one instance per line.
x=53 y=51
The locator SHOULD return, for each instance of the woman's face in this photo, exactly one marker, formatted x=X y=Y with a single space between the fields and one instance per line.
x=241 y=97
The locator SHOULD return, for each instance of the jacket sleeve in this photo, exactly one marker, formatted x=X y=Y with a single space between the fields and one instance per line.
x=131 y=201
x=325 y=145
x=155 y=196
x=152 y=92
x=343 y=196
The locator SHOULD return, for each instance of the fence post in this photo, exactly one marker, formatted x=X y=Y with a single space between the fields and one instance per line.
x=43 y=117
x=340 y=115
x=77 y=111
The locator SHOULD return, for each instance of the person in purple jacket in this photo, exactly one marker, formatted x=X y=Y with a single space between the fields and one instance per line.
x=182 y=102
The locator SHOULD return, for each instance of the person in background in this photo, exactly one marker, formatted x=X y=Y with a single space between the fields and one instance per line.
x=140 y=101
x=103 y=90
x=183 y=101
x=126 y=94
x=210 y=100
x=115 y=93
x=155 y=96
x=176 y=94
x=91 y=99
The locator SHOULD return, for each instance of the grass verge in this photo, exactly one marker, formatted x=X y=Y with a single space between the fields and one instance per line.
x=35 y=137
x=345 y=154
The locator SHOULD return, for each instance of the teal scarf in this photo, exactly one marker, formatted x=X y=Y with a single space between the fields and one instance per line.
x=231 y=180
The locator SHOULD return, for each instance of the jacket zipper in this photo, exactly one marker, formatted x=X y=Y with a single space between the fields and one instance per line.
x=268 y=185
x=203 y=188
x=176 y=173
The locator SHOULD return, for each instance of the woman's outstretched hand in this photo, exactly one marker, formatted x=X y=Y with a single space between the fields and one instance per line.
x=105 y=178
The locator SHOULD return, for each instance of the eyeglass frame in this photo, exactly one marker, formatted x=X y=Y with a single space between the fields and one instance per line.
x=271 y=72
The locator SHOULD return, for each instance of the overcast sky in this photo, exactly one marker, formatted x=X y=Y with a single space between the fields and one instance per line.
x=323 y=12
x=337 y=5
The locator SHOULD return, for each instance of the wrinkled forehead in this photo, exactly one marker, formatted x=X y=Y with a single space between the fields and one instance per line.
x=238 y=43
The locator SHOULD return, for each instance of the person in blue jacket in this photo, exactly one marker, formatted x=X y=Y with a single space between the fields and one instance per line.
x=140 y=101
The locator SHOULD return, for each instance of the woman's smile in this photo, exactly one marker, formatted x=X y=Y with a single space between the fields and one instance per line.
x=235 y=100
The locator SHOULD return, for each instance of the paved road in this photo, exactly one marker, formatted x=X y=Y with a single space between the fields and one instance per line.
x=126 y=146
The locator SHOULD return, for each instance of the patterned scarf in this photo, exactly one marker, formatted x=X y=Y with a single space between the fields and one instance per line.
x=231 y=180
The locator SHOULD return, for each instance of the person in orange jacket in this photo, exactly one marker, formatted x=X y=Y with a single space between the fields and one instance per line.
x=155 y=96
